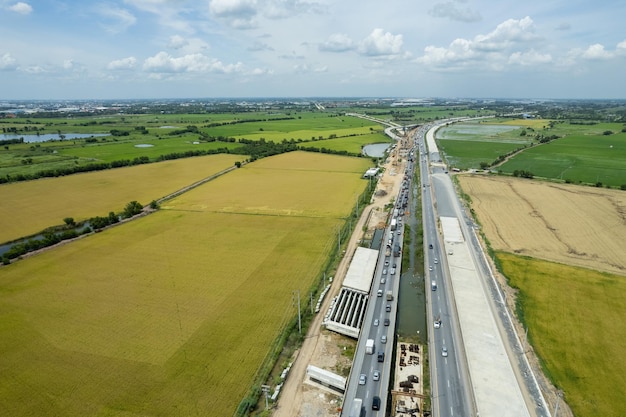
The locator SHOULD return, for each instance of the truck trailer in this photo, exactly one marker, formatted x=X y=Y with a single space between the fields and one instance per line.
x=369 y=346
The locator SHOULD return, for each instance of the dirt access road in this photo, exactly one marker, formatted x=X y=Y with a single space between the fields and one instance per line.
x=320 y=347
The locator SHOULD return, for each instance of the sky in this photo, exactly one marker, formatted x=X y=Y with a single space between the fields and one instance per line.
x=142 y=49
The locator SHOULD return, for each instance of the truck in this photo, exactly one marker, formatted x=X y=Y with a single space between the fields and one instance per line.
x=369 y=346
x=394 y=223
x=388 y=251
x=357 y=406
x=389 y=295
x=396 y=250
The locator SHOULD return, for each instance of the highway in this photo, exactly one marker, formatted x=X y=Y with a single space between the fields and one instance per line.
x=477 y=365
x=450 y=396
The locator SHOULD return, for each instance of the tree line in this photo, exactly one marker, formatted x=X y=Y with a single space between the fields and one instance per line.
x=71 y=230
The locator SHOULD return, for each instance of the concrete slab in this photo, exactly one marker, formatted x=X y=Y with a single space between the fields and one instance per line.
x=496 y=388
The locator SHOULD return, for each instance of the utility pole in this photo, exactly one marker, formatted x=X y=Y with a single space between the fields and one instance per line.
x=299 y=315
x=266 y=390
x=558 y=398
x=338 y=241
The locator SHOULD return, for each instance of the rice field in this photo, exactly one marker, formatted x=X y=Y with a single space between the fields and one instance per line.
x=575 y=324
x=172 y=314
x=29 y=207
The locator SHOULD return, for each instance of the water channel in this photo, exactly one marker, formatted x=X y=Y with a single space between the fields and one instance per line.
x=412 y=299
x=51 y=136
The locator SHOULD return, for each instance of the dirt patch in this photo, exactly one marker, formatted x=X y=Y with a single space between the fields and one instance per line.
x=570 y=224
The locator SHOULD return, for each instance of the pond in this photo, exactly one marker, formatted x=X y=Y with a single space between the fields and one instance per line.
x=376 y=150
x=51 y=136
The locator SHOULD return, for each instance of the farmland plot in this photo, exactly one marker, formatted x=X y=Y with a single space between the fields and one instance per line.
x=29 y=207
x=171 y=314
x=575 y=225
x=575 y=322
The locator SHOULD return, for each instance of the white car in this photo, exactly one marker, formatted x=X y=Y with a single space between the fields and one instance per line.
x=393 y=271
x=376 y=375
x=444 y=352
x=436 y=260
x=376 y=322
x=362 y=379
x=437 y=324
x=430 y=268
x=383 y=339
x=383 y=280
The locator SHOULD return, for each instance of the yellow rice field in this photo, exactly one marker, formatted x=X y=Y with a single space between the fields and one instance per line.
x=29 y=207
x=171 y=314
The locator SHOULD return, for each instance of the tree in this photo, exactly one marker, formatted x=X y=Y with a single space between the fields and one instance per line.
x=69 y=221
x=132 y=209
x=238 y=164
x=154 y=205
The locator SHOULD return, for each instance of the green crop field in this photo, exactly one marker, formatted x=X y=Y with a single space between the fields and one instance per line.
x=466 y=145
x=151 y=136
x=173 y=313
x=466 y=154
x=29 y=207
x=578 y=158
x=575 y=320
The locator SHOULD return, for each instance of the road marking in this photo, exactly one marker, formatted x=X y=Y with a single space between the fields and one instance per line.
x=448 y=383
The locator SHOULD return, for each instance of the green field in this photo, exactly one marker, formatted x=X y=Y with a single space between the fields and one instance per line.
x=465 y=154
x=167 y=134
x=173 y=313
x=577 y=158
x=575 y=320
x=31 y=206
x=466 y=145
x=581 y=153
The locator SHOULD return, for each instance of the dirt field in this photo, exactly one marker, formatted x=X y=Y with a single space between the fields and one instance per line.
x=574 y=225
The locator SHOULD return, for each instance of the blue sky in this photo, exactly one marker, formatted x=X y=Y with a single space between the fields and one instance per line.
x=62 y=49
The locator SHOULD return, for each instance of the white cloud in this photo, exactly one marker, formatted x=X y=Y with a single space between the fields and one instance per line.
x=187 y=45
x=117 y=20
x=596 y=52
x=197 y=63
x=379 y=43
x=21 y=8
x=177 y=42
x=281 y=9
x=622 y=45
x=239 y=14
x=337 y=42
x=35 y=69
x=493 y=50
x=529 y=58
x=8 y=63
x=451 y=11
x=123 y=64
x=68 y=64
x=507 y=33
